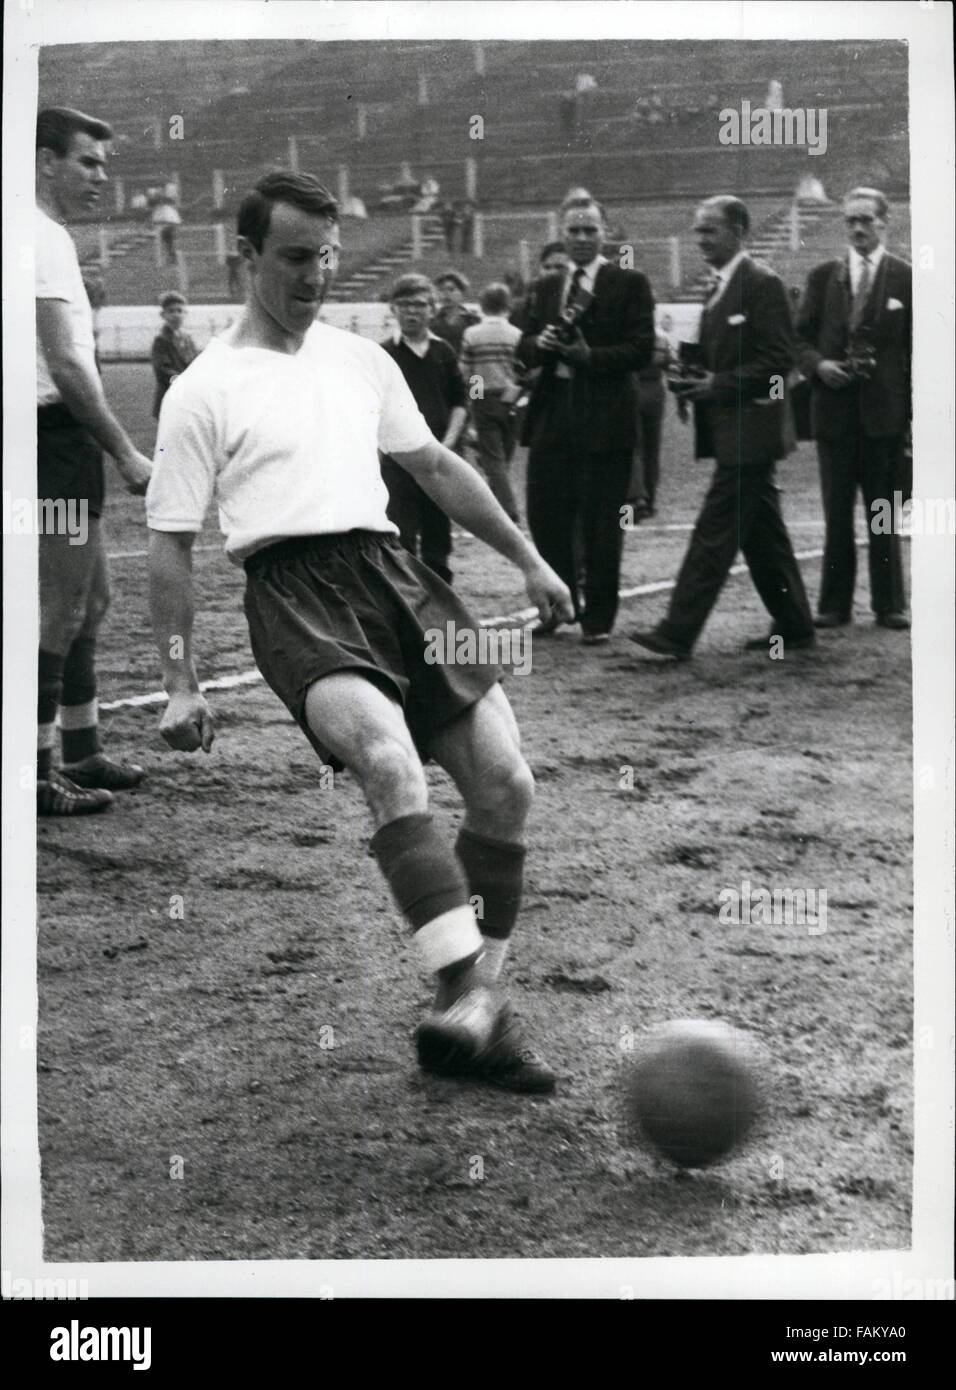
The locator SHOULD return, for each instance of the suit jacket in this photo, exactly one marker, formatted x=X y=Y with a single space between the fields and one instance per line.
x=747 y=342
x=169 y=358
x=618 y=326
x=879 y=407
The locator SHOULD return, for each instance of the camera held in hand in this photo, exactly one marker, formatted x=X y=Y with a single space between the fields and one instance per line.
x=689 y=367
x=566 y=326
x=860 y=360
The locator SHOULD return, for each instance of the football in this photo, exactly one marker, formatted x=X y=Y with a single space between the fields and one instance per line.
x=691 y=1094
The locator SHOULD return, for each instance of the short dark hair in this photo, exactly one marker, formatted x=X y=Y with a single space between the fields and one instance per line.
x=408 y=285
x=170 y=298
x=550 y=250
x=875 y=196
x=302 y=191
x=732 y=210
x=495 y=298
x=576 y=204
x=56 y=126
x=456 y=278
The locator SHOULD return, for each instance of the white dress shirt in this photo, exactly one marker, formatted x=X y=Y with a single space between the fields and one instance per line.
x=856 y=266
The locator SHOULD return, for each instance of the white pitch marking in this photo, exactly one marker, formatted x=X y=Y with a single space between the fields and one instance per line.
x=525 y=616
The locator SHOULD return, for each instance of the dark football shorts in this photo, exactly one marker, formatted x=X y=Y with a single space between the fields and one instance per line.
x=69 y=460
x=357 y=601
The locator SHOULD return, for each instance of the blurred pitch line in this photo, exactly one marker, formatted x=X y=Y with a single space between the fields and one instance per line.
x=524 y=616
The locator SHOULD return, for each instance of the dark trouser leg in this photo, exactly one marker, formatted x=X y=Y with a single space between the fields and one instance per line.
x=552 y=507
x=839 y=473
x=773 y=565
x=712 y=550
x=495 y=444
x=404 y=496
x=880 y=476
x=436 y=537
x=604 y=485
x=651 y=418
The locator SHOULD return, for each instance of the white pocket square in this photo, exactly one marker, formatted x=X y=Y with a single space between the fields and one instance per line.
x=735 y=319
x=893 y=304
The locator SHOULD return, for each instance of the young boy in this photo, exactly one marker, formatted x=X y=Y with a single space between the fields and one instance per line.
x=430 y=368
x=172 y=350
x=487 y=358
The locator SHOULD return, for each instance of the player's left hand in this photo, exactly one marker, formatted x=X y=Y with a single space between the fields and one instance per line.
x=549 y=594
x=187 y=723
x=700 y=388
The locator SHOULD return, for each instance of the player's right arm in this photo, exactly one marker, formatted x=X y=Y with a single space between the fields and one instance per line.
x=82 y=393
x=187 y=723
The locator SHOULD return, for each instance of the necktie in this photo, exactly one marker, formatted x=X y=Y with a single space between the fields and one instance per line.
x=862 y=292
x=575 y=287
x=713 y=290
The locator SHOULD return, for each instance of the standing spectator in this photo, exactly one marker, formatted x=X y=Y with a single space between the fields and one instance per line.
x=740 y=416
x=487 y=362
x=854 y=332
x=588 y=330
x=172 y=349
x=166 y=220
x=74 y=426
x=651 y=404
x=467 y=227
x=452 y=318
x=449 y=223
x=431 y=370
x=234 y=274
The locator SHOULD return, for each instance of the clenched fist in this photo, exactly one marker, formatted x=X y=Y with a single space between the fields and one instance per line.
x=187 y=723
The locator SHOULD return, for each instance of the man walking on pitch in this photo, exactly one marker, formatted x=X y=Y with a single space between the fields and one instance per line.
x=746 y=346
x=282 y=419
x=74 y=426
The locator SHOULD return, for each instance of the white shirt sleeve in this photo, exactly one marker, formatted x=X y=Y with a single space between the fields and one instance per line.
x=402 y=426
x=183 y=481
x=55 y=266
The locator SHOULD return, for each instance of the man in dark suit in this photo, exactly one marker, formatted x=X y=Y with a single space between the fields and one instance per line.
x=588 y=330
x=854 y=331
x=740 y=421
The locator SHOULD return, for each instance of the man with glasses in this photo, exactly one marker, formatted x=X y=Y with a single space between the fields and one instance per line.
x=430 y=368
x=855 y=329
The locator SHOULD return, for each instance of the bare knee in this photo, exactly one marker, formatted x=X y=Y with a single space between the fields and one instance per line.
x=392 y=778
x=502 y=796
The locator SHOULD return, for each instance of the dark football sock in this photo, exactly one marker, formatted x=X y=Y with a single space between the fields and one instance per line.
x=495 y=873
x=79 y=719
x=49 y=688
x=430 y=889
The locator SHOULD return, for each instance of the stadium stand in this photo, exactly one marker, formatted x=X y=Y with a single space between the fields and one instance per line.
x=642 y=138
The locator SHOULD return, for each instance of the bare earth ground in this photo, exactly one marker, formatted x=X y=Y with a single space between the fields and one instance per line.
x=201 y=1038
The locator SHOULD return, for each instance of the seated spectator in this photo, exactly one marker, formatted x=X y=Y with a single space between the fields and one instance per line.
x=172 y=349
x=487 y=365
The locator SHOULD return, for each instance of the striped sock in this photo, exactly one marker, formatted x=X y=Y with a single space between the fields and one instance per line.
x=428 y=885
x=78 y=717
x=49 y=687
x=495 y=873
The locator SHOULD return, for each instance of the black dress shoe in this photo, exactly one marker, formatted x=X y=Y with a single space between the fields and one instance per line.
x=899 y=622
x=830 y=620
x=761 y=644
x=660 y=645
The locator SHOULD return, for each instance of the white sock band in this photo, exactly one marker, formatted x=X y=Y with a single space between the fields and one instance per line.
x=78 y=716
x=46 y=736
x=449 y=938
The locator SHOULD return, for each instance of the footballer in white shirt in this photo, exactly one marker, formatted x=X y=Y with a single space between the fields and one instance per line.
x=281 y=420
